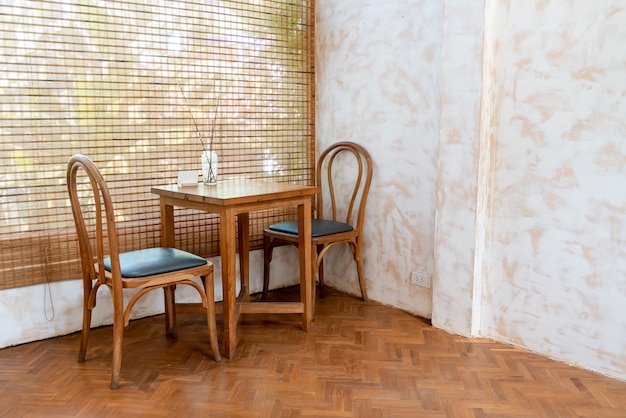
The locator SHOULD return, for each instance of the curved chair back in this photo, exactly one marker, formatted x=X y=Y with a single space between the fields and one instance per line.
x=101 y=238
x=344 y=160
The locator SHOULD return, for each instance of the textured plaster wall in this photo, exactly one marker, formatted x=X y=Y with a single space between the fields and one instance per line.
x=525 y=101
x=455 y=289
x=556 y=258
x=378 y=65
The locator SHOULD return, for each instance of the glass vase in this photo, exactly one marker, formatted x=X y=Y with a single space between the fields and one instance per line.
x=209 y=167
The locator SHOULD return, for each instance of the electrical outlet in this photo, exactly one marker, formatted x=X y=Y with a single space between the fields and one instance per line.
x=420 y=279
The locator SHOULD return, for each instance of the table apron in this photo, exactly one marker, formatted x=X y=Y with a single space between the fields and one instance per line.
x=239 y=208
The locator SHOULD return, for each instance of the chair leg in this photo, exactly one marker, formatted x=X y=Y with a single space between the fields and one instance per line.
x=358 y=257
x=210 y=315
x=88 y=305
x=267 y=259
x=170 y=311
x=118 y=334
x=321 y=268
x=315 y=273
x=84 y=335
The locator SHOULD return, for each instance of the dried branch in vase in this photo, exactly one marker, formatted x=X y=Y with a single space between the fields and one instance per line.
x=209 y=157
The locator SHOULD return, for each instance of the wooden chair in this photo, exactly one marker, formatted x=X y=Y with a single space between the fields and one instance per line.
x=330 y=231
x=143 y=270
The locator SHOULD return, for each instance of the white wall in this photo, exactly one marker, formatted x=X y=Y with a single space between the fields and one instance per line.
x=556 y=259
x=378 y=65
x=499 y=166
x=455 y=289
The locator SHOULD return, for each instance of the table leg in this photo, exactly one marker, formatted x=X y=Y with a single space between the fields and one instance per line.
x=243 y=233
x=229 y=273
x=167 y=225
x=306 y=264
x=167 y=240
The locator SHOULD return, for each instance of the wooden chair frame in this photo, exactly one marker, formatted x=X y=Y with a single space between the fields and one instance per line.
x=355 y=214
x=95 y=274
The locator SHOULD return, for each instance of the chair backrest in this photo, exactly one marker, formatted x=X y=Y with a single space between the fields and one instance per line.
x=344 y=173
x=93 y=203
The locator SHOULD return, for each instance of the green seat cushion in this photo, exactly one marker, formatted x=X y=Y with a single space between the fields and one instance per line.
x=151 y=261
x=319 y=227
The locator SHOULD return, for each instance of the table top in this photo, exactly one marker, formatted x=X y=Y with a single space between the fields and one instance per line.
x=236 y=191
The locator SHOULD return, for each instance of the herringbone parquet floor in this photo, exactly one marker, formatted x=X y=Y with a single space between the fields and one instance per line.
x=359 y=360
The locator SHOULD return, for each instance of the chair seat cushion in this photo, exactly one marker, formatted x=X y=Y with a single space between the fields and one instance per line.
x=319 y=227
x=151 y=261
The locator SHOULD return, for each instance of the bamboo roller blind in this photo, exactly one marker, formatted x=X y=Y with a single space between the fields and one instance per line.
x=119 y=81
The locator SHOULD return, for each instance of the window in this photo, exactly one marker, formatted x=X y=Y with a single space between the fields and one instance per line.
x=134 y=85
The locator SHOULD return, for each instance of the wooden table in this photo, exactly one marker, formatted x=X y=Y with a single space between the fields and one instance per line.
x=235 y=199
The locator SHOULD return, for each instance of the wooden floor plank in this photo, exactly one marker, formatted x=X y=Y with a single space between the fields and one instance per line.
x=360 y=359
